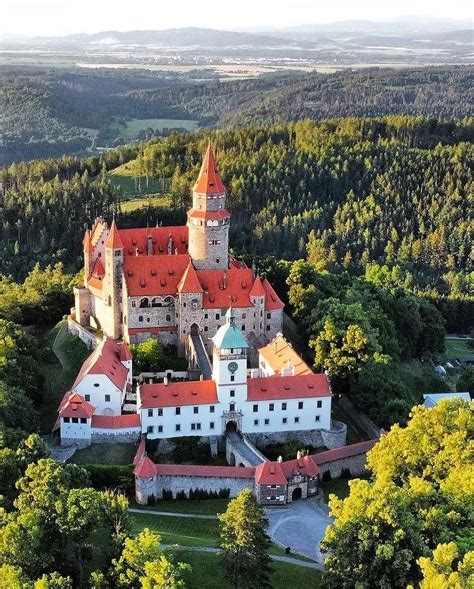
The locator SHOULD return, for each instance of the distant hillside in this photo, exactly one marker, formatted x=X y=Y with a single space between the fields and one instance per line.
x=45 y=113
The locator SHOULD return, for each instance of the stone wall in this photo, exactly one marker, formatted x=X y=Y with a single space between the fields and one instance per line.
x=115 y=437
x=82 y=333
x=334 y=438
x=355 y=464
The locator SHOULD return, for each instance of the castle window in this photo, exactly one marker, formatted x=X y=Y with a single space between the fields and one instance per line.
x=212 y=409
x=271 y=407
x=267 y=422
x=150 y=412
x=148 y=320
x=255 y=408
x=194 y=304
x=178 y=427
x=140 y=318
x=211 y=425
x=317 y=418
x=155 y=302
x=168 y=317
x=75 y=420
x=283 y=406
x=232 y=377
x=134 y=303
x=66 y=419
x=96 y=384
x=300 y=404
x=160 y=412
x=149 y=429
x=117 y=253
x=144 y=303
x=193 y=426
x=284 y=420
x=232 y=393
x=269 y=315
x=160 y=429
x=297 y=419
x=319 y=404
x=255 y=421
x=218 y=260
x=206 y=328
x=218 y=316
x=206 y=316
x=178 y=411
x=107 y=398
x=195 y=409
x=243 y=327
x=268 y=328
x=244 y=315
x=87 y=397
x=232 y=407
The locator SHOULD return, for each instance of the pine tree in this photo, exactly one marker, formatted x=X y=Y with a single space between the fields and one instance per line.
x=244 y=543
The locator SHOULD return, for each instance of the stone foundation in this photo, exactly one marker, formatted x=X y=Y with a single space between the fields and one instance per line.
x=115 y=438
x=333 y=438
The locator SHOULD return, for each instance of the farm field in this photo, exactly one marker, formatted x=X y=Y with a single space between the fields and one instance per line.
x=130 y=129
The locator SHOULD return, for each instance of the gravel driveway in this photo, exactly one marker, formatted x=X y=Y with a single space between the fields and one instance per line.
x=300 y=525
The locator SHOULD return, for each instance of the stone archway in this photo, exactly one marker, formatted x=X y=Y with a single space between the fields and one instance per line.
x=194 y=329
x=231 y=426
x=297 y=494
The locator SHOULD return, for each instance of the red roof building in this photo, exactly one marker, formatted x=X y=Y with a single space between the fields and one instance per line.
x=128 y=421
x=76 y=406
x=176 y=394
x=288 y=387
x=105 y=360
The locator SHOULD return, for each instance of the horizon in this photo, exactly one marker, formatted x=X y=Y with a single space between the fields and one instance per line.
x=60 y=18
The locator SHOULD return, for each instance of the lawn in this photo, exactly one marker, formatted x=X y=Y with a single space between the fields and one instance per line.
x=458 y=348
x=132 y=187
x=151 y=202
x=60 y=358
x=130 y=129
x=178 y=530
x=200 y=506
x=105 y=454
x=207 y=573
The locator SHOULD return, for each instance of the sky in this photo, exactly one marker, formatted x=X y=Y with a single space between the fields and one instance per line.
x=61 y=17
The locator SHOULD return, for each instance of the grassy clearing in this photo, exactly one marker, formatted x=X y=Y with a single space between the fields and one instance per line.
x=207 y=573
x=129 y=130
x=151 y=202
x=202 y=507
x=105 y=454
x=456 y=348
x=132 y=187
x=59 y=362
x=179 y=530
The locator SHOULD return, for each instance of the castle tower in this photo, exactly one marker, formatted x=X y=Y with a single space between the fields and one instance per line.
x=229 y=370
x=112 y=284
x=208 y=219
x=88 y=259
x=257 y=298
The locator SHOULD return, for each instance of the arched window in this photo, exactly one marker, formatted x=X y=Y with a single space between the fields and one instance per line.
x=168 y=301
x=143 y=303
x=156 y=302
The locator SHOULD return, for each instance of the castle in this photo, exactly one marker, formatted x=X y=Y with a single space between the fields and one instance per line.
x=174 y=282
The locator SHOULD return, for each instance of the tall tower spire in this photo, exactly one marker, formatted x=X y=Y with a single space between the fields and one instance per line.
x=208 y=219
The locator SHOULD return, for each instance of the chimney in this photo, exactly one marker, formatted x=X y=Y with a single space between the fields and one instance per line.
x=136 y=251
x=149 y=245
x=280 y=459
x=274 y=346
x=170 y=244
x=165 y=381
x=201 y=377
x=299 y=455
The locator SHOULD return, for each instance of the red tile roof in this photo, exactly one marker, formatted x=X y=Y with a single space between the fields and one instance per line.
x=95 y=282
x=209 y=181
x=138 y=238
x=198 y=470
x=257 y=288
x=288 y=387
x=303 y=465
x=141 y=450
x=174 y=394
x=154 y=275
x=76 y=406
x=272 y=300
x=344 y=452
x=238 y=283
x=116 y=421
x=125 y=354
x=105 y=359
x=211 y=215
x=145 y=468
x=114 y=240
x=98 y=270
x=189 y=283
x=270 y=473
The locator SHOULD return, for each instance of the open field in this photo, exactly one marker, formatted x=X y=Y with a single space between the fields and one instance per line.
x=458 y=348
x=131 y=187
x=105 y=454
x=130 y=129
x=179 y=530
x=207 y=573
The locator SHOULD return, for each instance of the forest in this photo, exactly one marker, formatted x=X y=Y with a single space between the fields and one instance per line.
x=56 y=111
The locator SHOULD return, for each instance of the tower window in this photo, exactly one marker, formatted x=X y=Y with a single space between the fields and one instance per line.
x=218 y=260
x=232 y=377
x=178 y=427
x=232 y=393
x=319 y=404
x=178 y=411
x=212 y=409
x=300 y=404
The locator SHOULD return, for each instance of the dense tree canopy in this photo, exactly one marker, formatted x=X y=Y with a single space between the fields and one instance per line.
x=420 y=495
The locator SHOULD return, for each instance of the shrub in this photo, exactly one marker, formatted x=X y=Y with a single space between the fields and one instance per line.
x=150 y=500
x=346 y=473
x=167 y=494
x=112 y=476
x=327 y=476
x=181 y=495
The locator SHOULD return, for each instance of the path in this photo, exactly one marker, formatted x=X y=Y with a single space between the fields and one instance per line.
x=301 y=525
x=203 y=358
x=173 y=513
x=244 y=450
x=288 y=559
